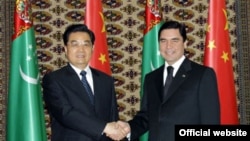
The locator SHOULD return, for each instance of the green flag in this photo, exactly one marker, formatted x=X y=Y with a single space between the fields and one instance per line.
x=25 y=115
x=151 y=58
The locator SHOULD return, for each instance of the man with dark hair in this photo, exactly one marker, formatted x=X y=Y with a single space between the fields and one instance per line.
x=179 y=92
x=81 y=106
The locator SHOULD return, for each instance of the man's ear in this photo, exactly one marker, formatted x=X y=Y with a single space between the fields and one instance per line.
x=185 y=44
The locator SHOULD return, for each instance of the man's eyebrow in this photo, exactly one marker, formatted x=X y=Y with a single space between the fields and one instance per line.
x=176 y=38
x=80 y=41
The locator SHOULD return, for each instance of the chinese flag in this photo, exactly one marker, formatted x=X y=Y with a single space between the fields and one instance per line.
x=94 y=19
x=218 y=56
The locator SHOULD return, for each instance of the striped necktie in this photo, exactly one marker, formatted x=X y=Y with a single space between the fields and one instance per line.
x=87 y=87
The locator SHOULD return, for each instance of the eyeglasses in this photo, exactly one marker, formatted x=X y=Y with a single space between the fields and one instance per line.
x=78 y=43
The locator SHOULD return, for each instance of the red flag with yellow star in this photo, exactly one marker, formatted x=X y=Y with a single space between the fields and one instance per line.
x=218 y=56
x=94 y=19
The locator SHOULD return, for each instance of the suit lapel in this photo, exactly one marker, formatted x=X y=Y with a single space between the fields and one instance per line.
x=75 y=83
x=181 y=75
x=99 y=86
x=158 y=82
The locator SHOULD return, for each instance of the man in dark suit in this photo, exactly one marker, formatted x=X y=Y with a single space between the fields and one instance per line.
x=75 y=115
x=191 y=99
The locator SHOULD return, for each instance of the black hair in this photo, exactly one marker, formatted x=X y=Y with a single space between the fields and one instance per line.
x=174 y=25
x=77 y=28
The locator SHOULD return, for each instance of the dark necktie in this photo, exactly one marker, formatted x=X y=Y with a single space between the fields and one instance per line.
x=87 y=87
x=168 y=81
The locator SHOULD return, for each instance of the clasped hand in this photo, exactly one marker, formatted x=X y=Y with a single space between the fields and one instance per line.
x=117 y=130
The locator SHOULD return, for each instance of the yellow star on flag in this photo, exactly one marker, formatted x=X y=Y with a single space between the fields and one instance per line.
x=225 y=56
x=226 y=24
x=211 y=44
x=102 y=58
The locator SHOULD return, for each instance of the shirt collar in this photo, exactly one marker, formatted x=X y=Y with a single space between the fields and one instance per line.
x=176 y=65
x=78 y=71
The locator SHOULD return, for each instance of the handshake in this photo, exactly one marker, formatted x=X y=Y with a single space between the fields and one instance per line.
x=117 y=130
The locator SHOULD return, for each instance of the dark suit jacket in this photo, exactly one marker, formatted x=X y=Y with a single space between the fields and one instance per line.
x=73 y=118
x=192 y=99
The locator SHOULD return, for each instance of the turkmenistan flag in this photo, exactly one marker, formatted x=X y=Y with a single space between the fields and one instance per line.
x=151 y=58
x=25 y=115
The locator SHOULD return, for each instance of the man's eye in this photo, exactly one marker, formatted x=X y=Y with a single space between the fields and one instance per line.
x=80 y=43
x=74 y=44
x=162 y=40
x=86 y=44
